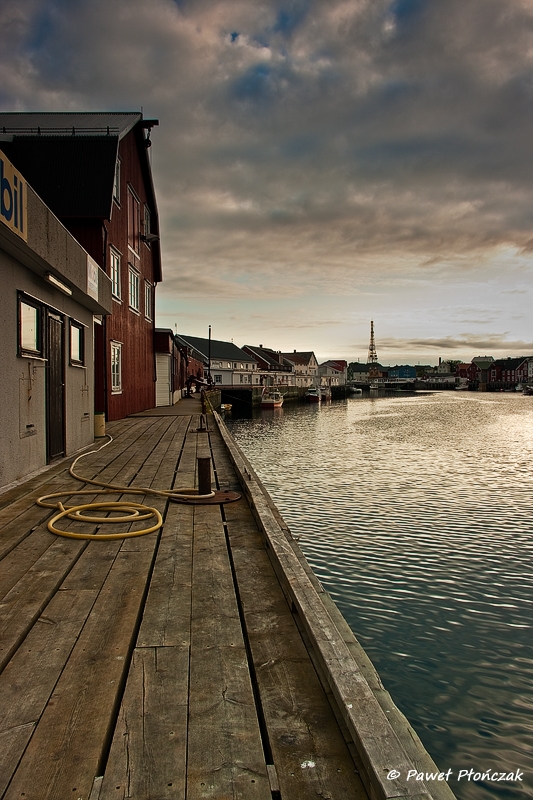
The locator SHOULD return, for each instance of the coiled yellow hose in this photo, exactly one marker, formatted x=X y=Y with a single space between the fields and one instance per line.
x=136 y=511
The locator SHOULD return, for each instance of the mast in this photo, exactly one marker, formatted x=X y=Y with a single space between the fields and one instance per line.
x=372 y=354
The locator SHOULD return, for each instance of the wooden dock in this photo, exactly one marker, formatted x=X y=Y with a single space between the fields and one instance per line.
x=201 y=661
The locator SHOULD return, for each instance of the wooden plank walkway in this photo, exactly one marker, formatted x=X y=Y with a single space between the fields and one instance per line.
x=169 y=665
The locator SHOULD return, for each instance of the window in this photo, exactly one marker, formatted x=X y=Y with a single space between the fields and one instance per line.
x=30 y=339
x=134 y=221
x=134 y=281
x=77 y=343
x=116 y=182
x=148 y=299
x=146 y=223
x=116 y=367
x=115 y=273
x=217 y=378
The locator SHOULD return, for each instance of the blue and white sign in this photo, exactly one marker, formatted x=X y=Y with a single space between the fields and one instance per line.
x=13 y=193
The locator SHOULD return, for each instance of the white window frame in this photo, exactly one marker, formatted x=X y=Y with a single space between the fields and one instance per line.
x=30 y=331
x=134 y=221
x=116 y=367
x=116 y=182
x=115 y=267
x=148 y=300
x=77 y=337
x=134 y=286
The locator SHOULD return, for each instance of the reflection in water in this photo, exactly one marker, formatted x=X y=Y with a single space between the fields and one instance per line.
x=416 y=515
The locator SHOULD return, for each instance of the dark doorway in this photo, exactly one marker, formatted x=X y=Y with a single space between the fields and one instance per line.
x=55 y=387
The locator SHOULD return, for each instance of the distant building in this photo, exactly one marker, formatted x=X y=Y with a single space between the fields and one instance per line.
x=333 y=373
x=272 y=367
x=506 y=373
x=404 y=372
x=479 y=372
x=305 y=367
x=230 y=366
x=176 y=362
x=92 y=170
x=51 y=288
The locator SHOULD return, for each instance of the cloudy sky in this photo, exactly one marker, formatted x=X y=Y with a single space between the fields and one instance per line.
x=319 y=163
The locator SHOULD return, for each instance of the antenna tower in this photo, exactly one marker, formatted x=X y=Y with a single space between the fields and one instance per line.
x=372 y=354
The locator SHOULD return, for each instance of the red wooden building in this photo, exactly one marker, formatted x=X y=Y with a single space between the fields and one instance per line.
x=93 y=170
x=508 y=372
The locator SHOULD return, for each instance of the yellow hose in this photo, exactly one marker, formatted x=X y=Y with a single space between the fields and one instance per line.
x=134 y=509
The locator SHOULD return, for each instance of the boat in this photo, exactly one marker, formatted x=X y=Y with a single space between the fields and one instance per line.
x=312 y=395
x=225 y=407
x=355 y=390
x=528 y=390
x=271 y=398
x=374 y=386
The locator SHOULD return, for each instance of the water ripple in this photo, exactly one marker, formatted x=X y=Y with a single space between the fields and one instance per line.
x=415 y=513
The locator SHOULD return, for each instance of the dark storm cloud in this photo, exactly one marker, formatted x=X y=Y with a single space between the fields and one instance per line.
x=301 y=137
x=463 y=342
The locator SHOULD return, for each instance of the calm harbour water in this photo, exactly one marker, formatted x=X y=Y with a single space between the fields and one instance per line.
x=416 y=514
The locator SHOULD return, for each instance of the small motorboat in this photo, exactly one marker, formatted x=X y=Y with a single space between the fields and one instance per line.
x=312 y=395
x=271 y=398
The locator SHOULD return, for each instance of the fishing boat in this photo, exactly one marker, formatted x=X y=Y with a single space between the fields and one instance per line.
x=312 y=395
x=271 y=398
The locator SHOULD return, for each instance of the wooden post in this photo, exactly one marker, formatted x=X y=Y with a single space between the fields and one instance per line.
x=204 y=475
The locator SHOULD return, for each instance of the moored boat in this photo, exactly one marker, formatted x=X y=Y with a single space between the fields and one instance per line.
x=312 y=395
x=271 y=398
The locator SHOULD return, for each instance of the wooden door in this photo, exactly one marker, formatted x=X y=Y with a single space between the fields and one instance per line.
x=55 y=387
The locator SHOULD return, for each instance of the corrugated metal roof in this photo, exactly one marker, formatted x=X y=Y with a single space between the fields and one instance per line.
x=61 y=123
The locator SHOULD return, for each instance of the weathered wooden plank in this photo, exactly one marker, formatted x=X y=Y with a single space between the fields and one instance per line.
x=29 y=678
x=309 y=751
x=64 y=754
x=22 y=606
x=148 y=755
x=225 y=757
x=167 y=614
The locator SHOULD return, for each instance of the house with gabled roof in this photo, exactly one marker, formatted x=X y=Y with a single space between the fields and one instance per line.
x=305 y=367
x=272 y=367
x=333 y=373
x=505 y=373
x=227 y=364
x=92 y=169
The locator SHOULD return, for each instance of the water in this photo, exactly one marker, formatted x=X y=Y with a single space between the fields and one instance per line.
x=416 y=514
